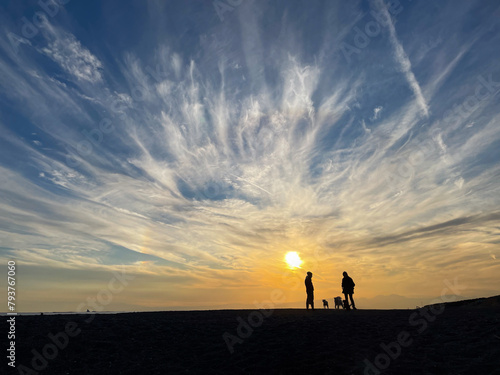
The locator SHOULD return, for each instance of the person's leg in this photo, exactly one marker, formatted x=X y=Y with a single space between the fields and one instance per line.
x=347 y=301
x=310 y=300
x=352 y=301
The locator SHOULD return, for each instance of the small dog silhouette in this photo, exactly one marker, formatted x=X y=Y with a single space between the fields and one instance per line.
x=338 y=302
x=325 y=304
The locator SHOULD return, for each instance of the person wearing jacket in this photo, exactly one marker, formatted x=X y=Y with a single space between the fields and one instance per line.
x=348 y=289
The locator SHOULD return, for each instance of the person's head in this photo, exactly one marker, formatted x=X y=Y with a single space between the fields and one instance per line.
x=309 y=274
x=344 y=273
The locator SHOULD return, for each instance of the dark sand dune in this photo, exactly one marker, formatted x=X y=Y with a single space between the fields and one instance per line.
x=456 y=338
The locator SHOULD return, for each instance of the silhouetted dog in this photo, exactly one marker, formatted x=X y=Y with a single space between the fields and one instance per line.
x=346 y=305
x=325 y=304
x=338 y=302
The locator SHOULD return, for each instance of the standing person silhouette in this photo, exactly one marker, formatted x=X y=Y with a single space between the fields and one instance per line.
x=348 y=288
x=309 y=291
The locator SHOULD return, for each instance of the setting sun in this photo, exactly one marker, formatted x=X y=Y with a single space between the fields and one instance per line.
x=293 y=260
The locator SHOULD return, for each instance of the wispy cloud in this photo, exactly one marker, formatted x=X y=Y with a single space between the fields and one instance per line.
x=402 y=59
x=69 y=53
x=376 y=112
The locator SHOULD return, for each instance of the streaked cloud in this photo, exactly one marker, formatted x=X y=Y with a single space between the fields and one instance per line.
x=403 y=60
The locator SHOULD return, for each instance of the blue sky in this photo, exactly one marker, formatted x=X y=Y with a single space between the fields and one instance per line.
x=193 y=143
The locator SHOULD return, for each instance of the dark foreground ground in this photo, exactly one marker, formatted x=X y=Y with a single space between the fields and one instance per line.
x=459 y=338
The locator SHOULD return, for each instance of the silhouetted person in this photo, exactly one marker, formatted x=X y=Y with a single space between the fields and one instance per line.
x=309 y=291
x=348 y=288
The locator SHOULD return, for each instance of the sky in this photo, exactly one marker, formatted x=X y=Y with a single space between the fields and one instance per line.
x=162 y=155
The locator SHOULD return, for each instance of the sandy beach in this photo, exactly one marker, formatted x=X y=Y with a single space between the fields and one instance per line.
x=455 y=338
